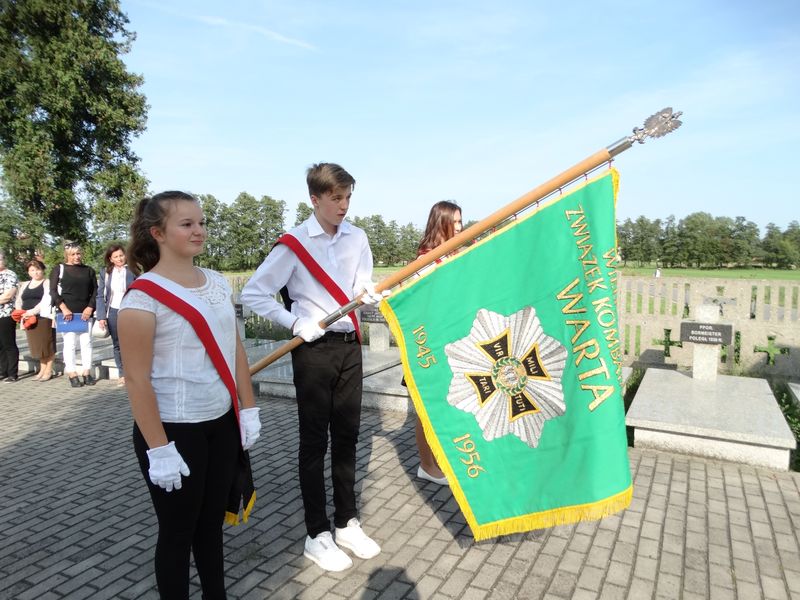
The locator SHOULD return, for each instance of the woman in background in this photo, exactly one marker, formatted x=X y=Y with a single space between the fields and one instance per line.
x=34 y=299
x=444 y=221
x=115 y=278
x=73 y=288
x=9 y=353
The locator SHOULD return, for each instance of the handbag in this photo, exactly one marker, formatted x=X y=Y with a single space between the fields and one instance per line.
x=75 y=325
x=18 y=314
x=99 y=332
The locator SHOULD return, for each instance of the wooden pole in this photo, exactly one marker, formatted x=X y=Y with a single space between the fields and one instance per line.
x=467 y=235
x=657 y=125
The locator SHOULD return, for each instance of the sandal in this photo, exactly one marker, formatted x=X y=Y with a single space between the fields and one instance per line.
x=75 y=381
x=89 y=380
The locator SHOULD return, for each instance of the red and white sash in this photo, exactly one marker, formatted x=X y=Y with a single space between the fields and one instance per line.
x=319 y=274
x=203 y=320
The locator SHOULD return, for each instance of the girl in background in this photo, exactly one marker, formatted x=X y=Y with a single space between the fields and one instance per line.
x=115 y=278
x=444 y=221
x=9 y=352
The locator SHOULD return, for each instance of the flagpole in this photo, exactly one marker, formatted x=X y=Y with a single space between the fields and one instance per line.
x=657 y=125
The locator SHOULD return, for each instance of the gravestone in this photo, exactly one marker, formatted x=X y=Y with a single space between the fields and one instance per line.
x=379 y=335
x=706 y=413
x=708 y=336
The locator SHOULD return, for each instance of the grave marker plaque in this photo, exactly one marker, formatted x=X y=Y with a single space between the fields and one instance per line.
x=371 y=314
x=706 y=333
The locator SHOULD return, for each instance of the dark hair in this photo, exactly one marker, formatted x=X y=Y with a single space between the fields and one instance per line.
x=35 y=263
x=143 y=252
x=440 y=226
x=107 y=256
x=325 y=177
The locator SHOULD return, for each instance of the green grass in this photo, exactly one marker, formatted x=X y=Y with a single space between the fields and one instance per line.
x=776 y=274
x=781 y=274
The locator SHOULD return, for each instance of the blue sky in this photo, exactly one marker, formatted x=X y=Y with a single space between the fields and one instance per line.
x=477 y=102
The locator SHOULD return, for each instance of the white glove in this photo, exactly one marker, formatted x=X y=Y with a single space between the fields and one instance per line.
x=249 y=426
x=166 y=467
x=308 y=329
x=371 y=297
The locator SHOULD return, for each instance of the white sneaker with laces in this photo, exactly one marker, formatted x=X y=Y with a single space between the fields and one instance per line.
x=324 y=551
x=353 y=538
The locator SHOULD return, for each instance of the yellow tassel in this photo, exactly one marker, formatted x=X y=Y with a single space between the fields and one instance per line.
x=249 y=508
x=558 y=516
x=233 y=518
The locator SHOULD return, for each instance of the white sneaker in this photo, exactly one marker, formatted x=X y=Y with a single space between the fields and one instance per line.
x=324 y=551
x=353 y=538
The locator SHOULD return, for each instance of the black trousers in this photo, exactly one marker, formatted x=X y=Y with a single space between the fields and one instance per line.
x=9 y=353
x=328 y=378
x=191 y=518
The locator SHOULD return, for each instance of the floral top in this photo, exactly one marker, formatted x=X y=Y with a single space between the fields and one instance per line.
x=8 y=280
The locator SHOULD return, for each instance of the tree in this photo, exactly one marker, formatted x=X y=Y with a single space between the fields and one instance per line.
x=746 y=241
x=117 y=191
x=215 y=226
x=68 y=110
x=272 y=212
x=408 y=242
x=249 y=229
x=792 y=236
x=771 y=244
x=625 y=240
x=671 y=251
x=242 y=233
x=694 y=232
x=380 y=239
x=645 y=235
x=303 y=212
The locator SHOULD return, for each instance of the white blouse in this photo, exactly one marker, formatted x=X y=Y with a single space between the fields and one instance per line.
x=118 y=276
x=187 y=386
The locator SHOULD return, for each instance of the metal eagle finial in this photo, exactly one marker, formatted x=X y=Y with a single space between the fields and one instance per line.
x=656 y=126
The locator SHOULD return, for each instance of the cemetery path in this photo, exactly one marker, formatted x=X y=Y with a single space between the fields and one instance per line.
x=76 y=521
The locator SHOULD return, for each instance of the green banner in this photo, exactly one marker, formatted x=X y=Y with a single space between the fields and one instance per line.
x=511 y=353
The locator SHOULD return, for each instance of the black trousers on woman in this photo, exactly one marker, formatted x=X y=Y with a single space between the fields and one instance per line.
x=328 y=379
x=191 y=518
x=9 y=353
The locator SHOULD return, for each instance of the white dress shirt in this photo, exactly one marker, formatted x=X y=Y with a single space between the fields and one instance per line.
x=345 y=257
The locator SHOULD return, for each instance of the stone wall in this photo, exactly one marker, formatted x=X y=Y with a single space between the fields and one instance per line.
x=764 y=315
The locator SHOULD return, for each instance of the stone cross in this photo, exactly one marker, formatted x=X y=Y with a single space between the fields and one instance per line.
x=667 y=342
x=771 y=349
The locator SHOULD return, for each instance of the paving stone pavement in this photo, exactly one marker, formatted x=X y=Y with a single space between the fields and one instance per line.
x=76 y=520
